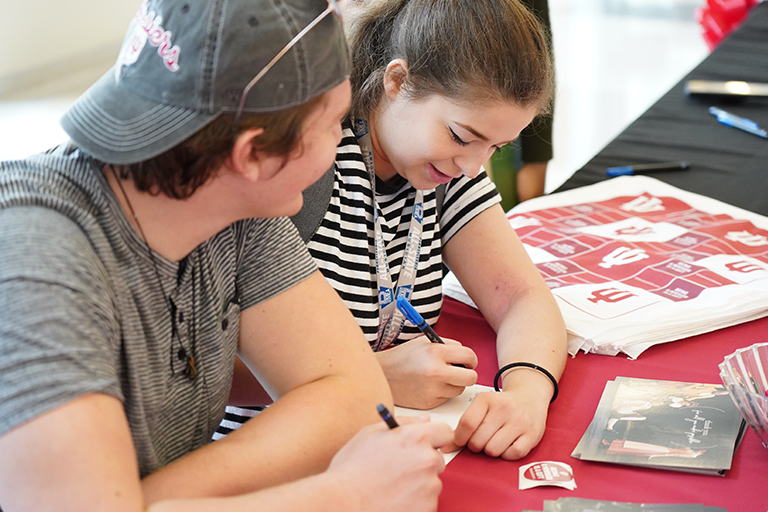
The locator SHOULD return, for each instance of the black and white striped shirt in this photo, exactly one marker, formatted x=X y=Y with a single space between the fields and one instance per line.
x=343 y=245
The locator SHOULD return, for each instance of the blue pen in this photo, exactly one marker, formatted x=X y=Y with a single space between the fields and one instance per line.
x=416 y=319
x=734 y=121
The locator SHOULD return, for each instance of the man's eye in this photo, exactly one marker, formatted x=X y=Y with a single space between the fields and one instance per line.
x=458 y=139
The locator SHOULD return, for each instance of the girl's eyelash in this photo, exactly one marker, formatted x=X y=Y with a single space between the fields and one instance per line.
x=457 y=139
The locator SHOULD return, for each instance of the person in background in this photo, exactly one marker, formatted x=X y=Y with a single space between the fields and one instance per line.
x=437 y=86
x=139 y=258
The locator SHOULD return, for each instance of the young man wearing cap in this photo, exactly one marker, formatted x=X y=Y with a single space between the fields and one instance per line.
x=137 y=260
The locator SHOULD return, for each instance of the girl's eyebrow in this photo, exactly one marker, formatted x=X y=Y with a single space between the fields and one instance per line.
x=473 y=132
x=478 y=134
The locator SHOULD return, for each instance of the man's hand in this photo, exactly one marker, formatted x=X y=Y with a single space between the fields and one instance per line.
x=394 y=469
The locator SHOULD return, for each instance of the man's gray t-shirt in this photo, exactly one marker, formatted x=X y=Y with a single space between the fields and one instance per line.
x=81 y=309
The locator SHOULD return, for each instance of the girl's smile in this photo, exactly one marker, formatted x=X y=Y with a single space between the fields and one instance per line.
x=430 y=141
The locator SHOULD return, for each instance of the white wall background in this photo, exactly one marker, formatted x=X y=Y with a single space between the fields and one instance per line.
x=614 y=58
x=41 y=38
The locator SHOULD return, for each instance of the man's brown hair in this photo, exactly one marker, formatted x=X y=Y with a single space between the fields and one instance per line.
x=179 y=171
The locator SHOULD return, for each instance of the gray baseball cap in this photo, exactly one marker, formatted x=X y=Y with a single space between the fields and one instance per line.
x=184 y=62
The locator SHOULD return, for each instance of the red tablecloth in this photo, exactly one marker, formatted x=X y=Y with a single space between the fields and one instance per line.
x=475 y=482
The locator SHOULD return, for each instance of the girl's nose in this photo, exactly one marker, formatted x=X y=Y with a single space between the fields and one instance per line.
x=471 y=162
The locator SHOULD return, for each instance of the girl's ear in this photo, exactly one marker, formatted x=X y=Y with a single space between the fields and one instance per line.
x=394 y=77
x=244 y=159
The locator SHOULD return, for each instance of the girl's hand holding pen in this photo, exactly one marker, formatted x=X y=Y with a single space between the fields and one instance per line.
x=419 y=370
x=393 y=469
x=507 y=424
x=422 y=374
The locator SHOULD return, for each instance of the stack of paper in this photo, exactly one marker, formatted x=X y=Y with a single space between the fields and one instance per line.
x=634 y=262
x=745 y=375
x=681 y=426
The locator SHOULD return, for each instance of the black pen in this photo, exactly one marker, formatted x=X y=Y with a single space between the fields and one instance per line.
x=629 y=170
x=386 y=416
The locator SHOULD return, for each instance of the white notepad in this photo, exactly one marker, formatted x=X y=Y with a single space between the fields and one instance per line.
x=449 y=411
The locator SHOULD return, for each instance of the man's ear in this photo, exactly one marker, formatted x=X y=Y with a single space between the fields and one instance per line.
x=243 y=158
x=394 y=77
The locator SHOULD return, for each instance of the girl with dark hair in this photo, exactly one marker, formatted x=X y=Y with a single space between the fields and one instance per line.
x=437 y=87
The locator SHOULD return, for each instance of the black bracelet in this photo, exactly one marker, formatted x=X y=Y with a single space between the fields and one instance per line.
x=526 y=365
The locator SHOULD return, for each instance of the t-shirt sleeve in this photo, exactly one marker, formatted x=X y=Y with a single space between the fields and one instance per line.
x=59 y=335
x=273 y=259
x=464 y=200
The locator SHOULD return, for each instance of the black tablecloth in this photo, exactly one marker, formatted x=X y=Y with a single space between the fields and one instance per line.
x=725 y=163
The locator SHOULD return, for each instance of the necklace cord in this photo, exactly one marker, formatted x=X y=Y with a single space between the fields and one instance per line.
x=191 y=370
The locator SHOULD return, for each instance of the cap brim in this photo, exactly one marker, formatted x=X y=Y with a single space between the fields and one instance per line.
x=118 y=127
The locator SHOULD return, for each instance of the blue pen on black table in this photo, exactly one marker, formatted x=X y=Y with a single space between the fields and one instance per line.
x=741 y=123
x=629 y=170
x=416 y=319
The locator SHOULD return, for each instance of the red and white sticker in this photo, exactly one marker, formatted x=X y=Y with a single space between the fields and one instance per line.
x=546 y=472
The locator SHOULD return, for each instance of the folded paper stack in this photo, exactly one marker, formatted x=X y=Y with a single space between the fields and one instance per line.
x=634 y=262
